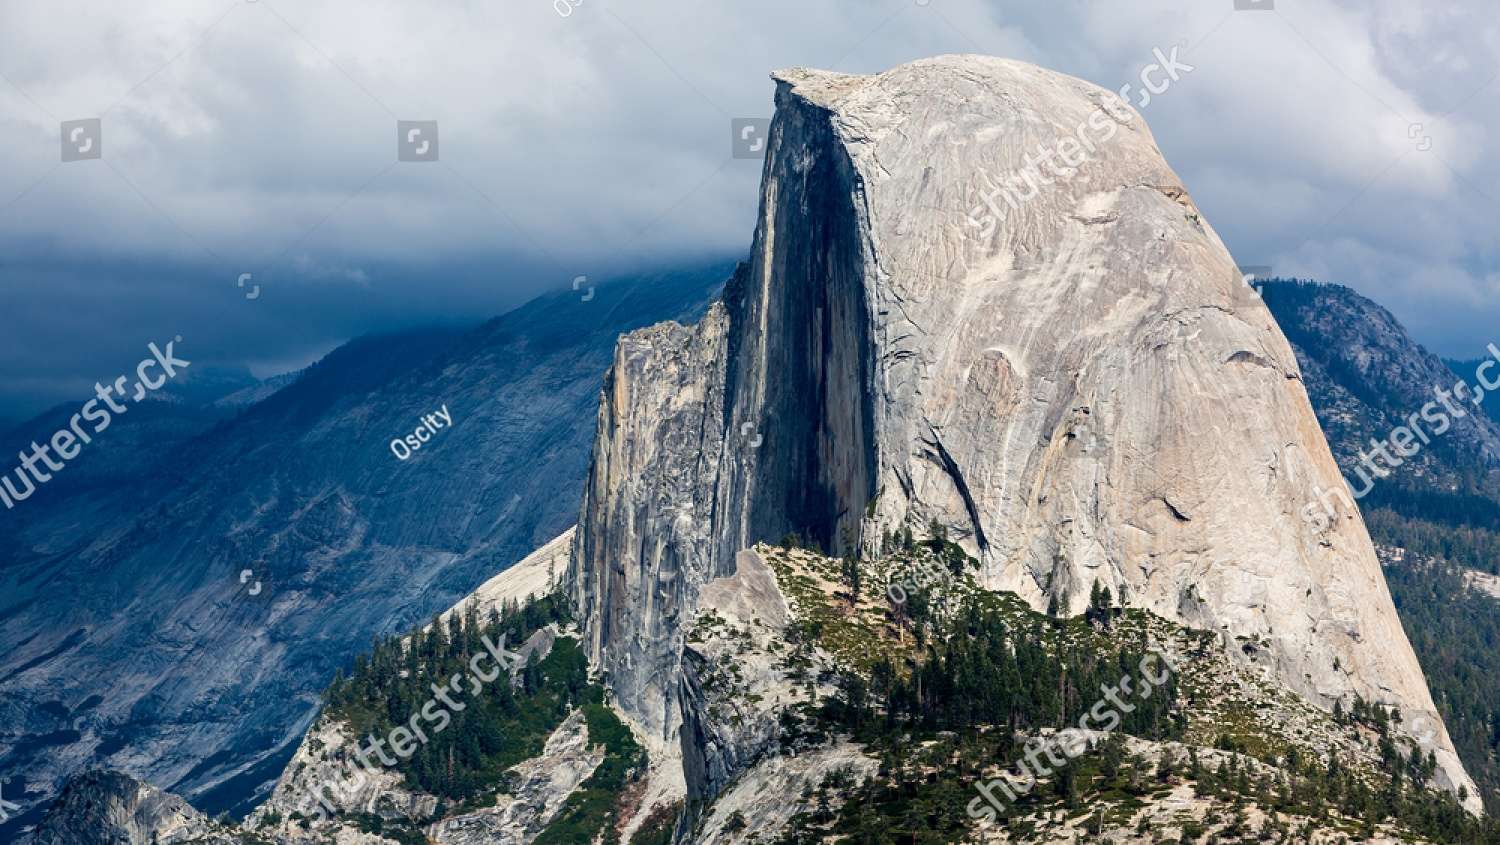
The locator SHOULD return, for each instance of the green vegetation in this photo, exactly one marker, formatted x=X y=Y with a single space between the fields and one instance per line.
x=502 y=722
x=946 y=552
x=1468 y=370
x=658 y=827
x=943 y=683
x=925 y=784
x=499 y=726
x=1286 y=299
x=1470 y=515
x=923 y=797
x=1472 y=548
x=954 y=710
x=594 y=806
x=1455 y=630
x=960 y=709
x=1442 y=503
x=404 y=833
x=228 y=829
x=980 y=670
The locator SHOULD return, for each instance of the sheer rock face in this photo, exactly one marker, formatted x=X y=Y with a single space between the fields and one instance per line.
x=1071 y=378
x=738 y=681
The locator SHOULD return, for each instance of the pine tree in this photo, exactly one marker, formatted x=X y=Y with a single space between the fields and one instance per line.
x=1101 y=605
x=850 y=570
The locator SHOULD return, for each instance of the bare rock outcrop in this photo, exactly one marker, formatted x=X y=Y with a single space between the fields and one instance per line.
x=323 y=781
x=739 y=678
x=115 y=807
x=1057 y=362
x=769 y=794
x=540 y=788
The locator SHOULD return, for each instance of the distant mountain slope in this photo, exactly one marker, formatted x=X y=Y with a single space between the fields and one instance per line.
x=135 y=643
x=1368 y=376
x=247 y=396
x=112 y=807
x=136 y=440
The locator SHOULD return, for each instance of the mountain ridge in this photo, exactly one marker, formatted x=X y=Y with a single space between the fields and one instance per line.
x=343 y=540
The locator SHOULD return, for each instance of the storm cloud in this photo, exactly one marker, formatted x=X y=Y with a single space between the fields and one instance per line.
x=1343 y=141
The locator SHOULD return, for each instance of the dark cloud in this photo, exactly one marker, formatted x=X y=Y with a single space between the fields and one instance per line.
x=1340 y=140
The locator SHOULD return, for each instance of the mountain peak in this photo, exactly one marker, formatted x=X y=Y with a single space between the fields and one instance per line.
x=979 y=300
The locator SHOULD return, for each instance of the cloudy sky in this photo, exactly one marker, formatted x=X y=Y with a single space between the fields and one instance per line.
x=1343 y=141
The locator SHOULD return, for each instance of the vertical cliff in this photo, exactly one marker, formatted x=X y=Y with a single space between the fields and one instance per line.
x=977 y=295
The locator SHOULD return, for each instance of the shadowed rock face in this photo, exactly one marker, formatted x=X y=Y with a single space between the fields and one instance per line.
x=116 y=808
x=1072 y=379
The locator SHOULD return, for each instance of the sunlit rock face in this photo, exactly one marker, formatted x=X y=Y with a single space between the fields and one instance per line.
x=1065 y=371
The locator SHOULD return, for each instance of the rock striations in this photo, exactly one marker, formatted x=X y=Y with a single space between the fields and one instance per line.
x=1069 y=377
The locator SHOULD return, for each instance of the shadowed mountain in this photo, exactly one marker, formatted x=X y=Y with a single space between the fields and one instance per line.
x=135 y=441
x=176 y=619
x=1369 y=377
